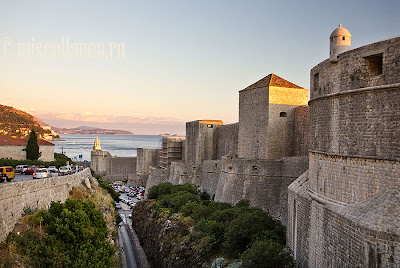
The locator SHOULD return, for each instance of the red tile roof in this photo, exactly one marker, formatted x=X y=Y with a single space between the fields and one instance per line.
x=8 y=140
x=272 y=80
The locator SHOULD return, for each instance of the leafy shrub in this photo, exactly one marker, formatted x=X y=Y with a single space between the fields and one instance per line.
x=187 y=209
x=214 y=230
x=204 y=196
x=220 y=228
x=243 y=203
x=110 y=190
x=267 y=253
x=242 y=230
x=76 y=236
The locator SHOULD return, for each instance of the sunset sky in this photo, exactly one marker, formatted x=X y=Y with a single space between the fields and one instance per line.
x=150 y=66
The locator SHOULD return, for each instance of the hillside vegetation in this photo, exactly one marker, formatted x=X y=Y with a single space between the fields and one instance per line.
x=17 y=123
x=78 y=233
x=180 y=228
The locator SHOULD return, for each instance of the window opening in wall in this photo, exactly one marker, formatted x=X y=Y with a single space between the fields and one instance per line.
x=283 y=114
x=316 y=81
x=254 y=168
x=210 y=126
x=375 y=64
x=344 y=38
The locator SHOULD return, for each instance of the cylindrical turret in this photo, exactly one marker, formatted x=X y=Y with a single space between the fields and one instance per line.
x=340 y=41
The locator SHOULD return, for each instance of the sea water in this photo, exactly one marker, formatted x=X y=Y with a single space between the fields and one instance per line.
x=79 y=146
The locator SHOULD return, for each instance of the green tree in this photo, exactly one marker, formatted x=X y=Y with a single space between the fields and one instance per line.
x=32 y=148
x=267 y=253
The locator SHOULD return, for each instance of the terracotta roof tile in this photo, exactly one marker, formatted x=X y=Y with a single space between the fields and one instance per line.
x=8 y=140
x=272 y=80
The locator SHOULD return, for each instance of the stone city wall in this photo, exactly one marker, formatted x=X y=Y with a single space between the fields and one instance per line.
x=263 y=182
x=122 y=166
x=205 y=176
x=279 y=135
x=354 y=70
x=156 y=176
x=344 y=212
x=301 y=130
x=201 y=142
x=350 y=179
x=362 y=123
x=227 y=140
x=253 y=123
x=16 y=196
x=323 y=233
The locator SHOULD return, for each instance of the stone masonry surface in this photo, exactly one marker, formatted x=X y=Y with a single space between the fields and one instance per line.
x=16 y=196
x=344 y=211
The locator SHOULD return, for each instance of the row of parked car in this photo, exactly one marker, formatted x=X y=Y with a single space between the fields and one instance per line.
x=132 y=191
x=38 y=172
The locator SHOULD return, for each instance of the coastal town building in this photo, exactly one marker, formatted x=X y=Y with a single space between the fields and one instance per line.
x=14 y=148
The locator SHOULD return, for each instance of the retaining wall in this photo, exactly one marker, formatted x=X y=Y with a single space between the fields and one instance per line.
x=16 y=196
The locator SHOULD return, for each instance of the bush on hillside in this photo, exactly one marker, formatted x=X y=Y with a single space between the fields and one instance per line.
x=115 y=195
x=268 y=254
x=220 y=228
x=70 y=234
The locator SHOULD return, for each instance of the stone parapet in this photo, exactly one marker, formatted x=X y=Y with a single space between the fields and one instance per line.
x=35 y=194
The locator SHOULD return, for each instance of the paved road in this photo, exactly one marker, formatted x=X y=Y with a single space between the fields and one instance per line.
x=20 y=177
x=127 y=253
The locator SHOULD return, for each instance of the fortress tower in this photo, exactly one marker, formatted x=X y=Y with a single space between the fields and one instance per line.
x=97 y=144
x=340 y=41
x=100 y=160
x=201 y=140
x=344 y=211
x=266 y=118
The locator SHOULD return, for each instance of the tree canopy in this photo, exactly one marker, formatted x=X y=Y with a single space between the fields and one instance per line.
x=32 y=147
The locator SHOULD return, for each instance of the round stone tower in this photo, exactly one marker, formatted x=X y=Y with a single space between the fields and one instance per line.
x=340 y=41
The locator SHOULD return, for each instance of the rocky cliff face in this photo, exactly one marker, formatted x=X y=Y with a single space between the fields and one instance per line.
x=165 y=238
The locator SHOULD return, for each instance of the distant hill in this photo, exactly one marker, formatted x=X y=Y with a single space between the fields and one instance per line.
x=91 y=130
x=17 y=123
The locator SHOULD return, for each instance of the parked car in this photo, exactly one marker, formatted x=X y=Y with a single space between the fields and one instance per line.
x=20 y=168
x=118 y=206
x=53 y=169
x=30 y=170
x=41 y=173
x=65 y=170
x=7 y=173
